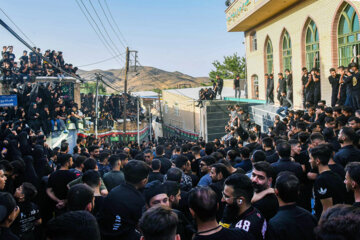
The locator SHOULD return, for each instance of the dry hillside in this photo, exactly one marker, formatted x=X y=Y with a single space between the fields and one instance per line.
x=146 y=78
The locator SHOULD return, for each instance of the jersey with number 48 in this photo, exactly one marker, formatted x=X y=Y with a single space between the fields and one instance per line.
x=253 y=222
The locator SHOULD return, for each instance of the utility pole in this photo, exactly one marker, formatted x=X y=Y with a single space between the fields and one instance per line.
x=138 y=120
x=161 y=115
x=125 y=92
x=150 y=121
x=98 y=77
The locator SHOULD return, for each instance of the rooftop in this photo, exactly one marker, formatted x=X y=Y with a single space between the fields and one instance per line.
x=193 y=93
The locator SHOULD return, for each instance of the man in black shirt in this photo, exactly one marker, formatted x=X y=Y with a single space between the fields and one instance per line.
x=237 y=86
x=218 y=174
x=285 y=163
x=281 y=87
x=352 y=181
x=284 y=105
x=289 y=82
x=355 y=86
x=24 y=59
x=57 y=184
x=219 y=86
x=264 y=198
x=329 y=188
x=291 y=221
x=334 y=80
x=122 y=208
x=348 y=152
x=269 y=79
x=316 y=78
x=239 y=212
x=165 y=162
x=155 y=173
x=203 y=207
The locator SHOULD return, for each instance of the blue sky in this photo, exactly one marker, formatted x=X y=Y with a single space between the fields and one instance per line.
x=174 y=35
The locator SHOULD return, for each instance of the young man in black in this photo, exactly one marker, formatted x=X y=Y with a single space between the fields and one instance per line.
x=155 y=174
x=289 y=83
x=269 y=88
x=285 y=163
x=57 y=184
x=237 y=86
x=122 y=208
x=329 y=188
x=264 y=198
x=334 y=80
x=115 y=177
x=291 y=221
x=317 y=91
x=355 y=86
x=239 y=212
x=165 y=162
x=348 y=152
x=281 y=87
x=203 y=206
x=352 y=181
x=219 y=86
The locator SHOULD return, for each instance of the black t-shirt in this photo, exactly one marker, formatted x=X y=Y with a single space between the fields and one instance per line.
x=334 y=81
x=250 y=221
x=25 y=221
x=225 y=234
x=289 y=81
x=268 y=206
x=58 y=181
x=237 y=83
x=317 y=84
x=355 y=82
x=282 y=85
x=328 y=185
x=337 y=168
x=155 y=176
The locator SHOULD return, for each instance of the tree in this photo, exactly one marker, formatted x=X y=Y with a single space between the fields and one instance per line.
x=229 y=68
x=91 y=88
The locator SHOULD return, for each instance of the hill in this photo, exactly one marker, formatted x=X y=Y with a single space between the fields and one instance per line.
x=146 y=78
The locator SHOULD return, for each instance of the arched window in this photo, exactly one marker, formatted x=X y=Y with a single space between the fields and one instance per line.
x=253 y=41
x=312 y=46
x=255 y=86
x=348 y=35
x=286 y=52
x=269 y=57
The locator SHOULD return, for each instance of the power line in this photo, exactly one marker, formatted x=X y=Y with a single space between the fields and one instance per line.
x=101 y=61
x=102 y=24
x=112 y=28
x=105 y=42
x=92 y=26
x=18 y=27
x=116 y=25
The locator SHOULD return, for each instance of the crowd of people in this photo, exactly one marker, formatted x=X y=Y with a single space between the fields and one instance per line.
x=111 y=108
x=249 y=185
x=344 y=81
x=29 y=66
x=211 y=93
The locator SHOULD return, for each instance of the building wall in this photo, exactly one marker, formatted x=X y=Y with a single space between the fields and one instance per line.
x=325 y=14
x=180 y=111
